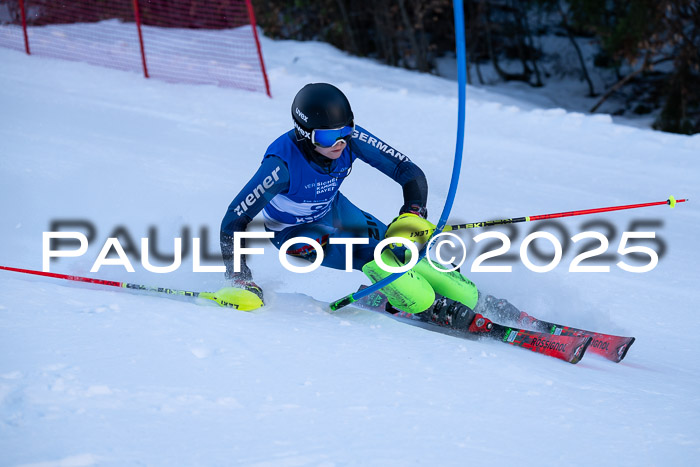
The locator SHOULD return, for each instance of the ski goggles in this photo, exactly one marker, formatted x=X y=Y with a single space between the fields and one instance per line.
x=329 y=138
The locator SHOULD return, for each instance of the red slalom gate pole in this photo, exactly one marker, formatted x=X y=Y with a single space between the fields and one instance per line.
x=671 y=201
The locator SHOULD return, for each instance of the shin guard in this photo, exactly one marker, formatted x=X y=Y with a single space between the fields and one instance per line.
x=410 y=293
x=450 y=284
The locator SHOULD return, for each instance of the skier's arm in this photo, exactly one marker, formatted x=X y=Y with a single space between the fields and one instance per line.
x=271 y=178
x=395 y=165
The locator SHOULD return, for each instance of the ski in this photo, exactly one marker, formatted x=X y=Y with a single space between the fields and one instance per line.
x=568 y=348
x=609 y=346
x=612 y=347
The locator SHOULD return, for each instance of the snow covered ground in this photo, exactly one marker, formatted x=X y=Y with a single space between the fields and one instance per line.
x=93 y=375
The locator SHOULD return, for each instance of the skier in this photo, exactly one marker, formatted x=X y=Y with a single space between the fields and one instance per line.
x=297 y=187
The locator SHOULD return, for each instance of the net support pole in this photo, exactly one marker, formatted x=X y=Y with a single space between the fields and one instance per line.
x=137 y=18
x=251 y=18
x=24 y=26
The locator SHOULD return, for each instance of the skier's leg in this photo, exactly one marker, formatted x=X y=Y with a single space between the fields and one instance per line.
x=450 y=284
x=354 y=222
x=455 y=286
x=414 y=294
x=317 y=231
x=410 y=292
x=344 y=220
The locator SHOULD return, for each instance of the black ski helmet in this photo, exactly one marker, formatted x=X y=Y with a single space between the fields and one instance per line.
x=320 y=105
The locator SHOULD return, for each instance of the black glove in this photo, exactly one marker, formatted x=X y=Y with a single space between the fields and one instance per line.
x=240 y=281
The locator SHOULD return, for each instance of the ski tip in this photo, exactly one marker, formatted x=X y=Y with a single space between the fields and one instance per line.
x=622 y=350
x=580 y=351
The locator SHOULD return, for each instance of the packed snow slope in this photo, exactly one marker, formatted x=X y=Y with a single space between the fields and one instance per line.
x=94 y=375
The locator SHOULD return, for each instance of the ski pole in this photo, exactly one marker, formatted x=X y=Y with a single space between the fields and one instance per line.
x=347 y=300
x=671 y=201
x=228 y=296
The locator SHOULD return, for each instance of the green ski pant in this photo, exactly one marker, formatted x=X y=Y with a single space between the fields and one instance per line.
x=415 y=291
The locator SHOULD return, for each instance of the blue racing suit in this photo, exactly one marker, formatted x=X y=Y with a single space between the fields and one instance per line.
x=297 y=190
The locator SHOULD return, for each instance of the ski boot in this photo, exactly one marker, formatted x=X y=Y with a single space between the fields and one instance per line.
x=452 y=314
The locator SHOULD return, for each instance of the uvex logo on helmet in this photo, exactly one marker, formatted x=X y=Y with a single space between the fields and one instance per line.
x=301 y=114
x=302 y=132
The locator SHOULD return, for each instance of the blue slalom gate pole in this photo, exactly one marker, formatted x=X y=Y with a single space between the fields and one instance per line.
x=462 y=83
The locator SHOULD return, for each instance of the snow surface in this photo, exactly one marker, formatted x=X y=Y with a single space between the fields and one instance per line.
x=93 y=375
